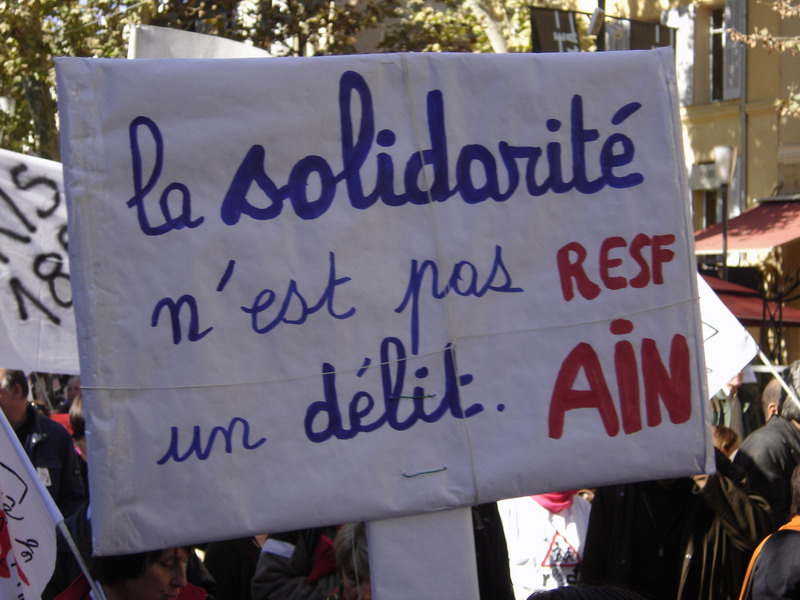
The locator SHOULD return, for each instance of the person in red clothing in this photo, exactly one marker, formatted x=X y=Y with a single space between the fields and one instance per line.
x=156 y=575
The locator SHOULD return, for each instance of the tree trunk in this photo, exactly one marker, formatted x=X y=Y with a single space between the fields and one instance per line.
x=490 y=25
x=43 y=113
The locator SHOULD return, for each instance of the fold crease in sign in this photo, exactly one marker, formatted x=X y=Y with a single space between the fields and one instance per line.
x=404 y=272
x=37 y=322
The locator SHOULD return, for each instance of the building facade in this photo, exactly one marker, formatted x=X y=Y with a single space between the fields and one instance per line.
x=728 y=94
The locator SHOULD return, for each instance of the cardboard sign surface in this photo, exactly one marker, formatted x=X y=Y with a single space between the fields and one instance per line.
x=314 y=291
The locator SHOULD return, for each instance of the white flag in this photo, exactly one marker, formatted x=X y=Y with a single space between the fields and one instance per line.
x=148 y=41
x=28 y=519
x=728 y=345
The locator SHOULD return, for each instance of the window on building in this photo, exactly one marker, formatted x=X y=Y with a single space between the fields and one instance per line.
x=706 y=208
x=711 y=209
x=708 y=63
x=717 y=66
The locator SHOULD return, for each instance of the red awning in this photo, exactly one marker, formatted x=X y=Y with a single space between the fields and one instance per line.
x=763 y=227
x=745 y=303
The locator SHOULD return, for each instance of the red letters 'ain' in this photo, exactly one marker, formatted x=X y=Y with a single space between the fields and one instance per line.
x=565 y=397
x=672 y=387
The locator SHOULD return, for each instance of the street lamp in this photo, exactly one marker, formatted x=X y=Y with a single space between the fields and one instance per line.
x=724 y=157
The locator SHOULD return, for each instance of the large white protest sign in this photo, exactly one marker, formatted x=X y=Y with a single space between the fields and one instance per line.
x=37 y=323
x=312 y=291
x=28 y=519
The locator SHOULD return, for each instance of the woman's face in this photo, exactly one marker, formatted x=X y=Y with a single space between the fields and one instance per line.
x=162 y=579
x=354 y=588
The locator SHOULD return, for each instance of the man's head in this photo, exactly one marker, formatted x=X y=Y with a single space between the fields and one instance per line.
x=13 y=396
x=789 y=408
x=73 y=388
x=771 y=399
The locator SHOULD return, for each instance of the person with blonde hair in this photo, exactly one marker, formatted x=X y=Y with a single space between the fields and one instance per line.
x=352 y=559
x=725 y=439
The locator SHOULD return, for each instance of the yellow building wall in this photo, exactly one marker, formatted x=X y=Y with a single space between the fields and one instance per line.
x=763 y=87
x=763 y=68
x=773 y=143
x=643 y=11
x=789 y=149
x=762 y=150
x=707 y=123
x=772 y=152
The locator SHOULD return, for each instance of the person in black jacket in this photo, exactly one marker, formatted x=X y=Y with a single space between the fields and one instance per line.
x=770 y=454
x=774 y=570
x=47 y=443
x=232 y=564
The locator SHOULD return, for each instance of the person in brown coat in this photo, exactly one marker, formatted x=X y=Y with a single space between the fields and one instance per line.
x=685 y=539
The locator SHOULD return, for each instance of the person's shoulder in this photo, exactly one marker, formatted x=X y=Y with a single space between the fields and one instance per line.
x=782 y=430
x=303 y=535
x=52 y=428
x=787 y=535
x=77 y=590
x=618 y=490
x=192 y=592
x=772 y=433
x=782 y=545
x=766 y=430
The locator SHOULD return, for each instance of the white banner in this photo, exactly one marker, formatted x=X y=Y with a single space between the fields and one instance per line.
x=313 y=291
x=28 y=519
x=37 y=323
x=148 y=41
x=728 y=346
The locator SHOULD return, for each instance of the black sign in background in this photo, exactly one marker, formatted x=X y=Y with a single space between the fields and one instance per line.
x=554 y=31
x=646 y=36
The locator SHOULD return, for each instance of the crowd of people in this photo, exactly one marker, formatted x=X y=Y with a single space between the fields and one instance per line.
x=728 y=535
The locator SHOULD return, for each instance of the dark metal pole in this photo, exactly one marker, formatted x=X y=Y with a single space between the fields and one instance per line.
x=724 y=192
x=601 y=34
